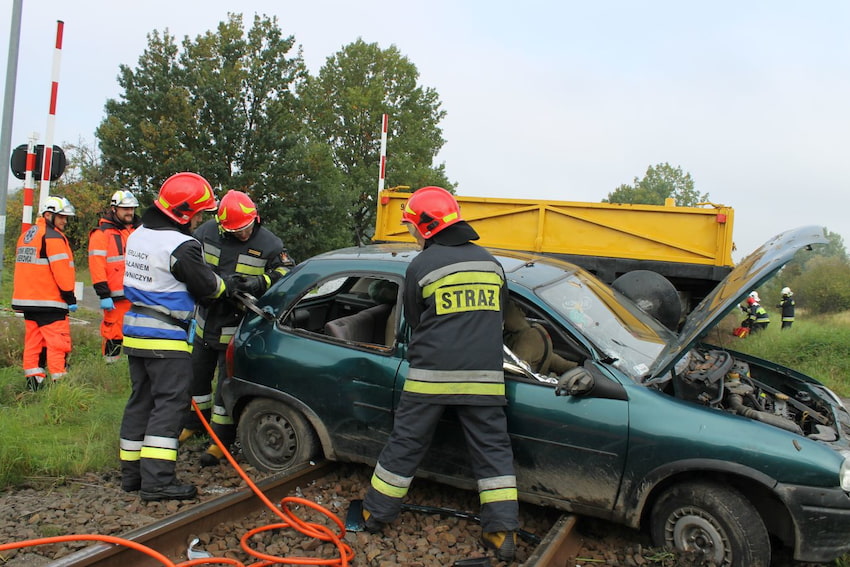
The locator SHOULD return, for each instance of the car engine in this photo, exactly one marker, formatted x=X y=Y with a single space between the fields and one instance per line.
x=716 y=379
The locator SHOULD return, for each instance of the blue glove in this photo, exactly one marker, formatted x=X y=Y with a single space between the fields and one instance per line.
x=72 y=308
x=107 y=304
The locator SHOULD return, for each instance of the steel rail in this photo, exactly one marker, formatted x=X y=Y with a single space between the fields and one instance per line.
x=170 y=536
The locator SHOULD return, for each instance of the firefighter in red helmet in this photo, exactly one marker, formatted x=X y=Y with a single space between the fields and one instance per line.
x=235 y=246
x=164 y=277
x=454 y=299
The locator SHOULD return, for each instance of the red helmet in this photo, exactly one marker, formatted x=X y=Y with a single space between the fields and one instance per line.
x=236 y=212
x=183 y=195
x=431 y=209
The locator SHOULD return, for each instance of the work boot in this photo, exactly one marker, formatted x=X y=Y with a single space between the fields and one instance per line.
x=212 y=456
x=504 y=543
x=34 y=384
x=173 y=491
x=370 y=524
x=186 y=434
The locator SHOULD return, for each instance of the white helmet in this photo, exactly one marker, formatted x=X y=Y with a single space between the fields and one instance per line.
x=59 y=206
x=123 y=199
x=787 y=291
x=755 y=295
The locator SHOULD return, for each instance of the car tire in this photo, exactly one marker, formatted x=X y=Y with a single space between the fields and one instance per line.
x=714 y=520
x=275 y=437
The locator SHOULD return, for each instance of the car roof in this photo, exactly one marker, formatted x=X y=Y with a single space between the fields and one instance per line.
x=526 y=269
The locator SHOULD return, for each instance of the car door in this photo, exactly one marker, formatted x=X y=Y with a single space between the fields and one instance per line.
x=342 y=327
x=569 y=448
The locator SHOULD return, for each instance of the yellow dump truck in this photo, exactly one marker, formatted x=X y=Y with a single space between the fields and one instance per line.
x=690 y=246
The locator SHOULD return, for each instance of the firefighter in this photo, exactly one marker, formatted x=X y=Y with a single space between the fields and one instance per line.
x=106 y=264
x=787 y=304
x=757 y=317
x=165 y=274
x=454 y=296
x=234 y=243
x=44 y=291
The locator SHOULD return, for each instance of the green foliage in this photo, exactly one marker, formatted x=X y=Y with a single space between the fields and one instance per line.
x=816 y=346
x=345 y=104
x=824 y=285
x=660 y=182
x=67 y=428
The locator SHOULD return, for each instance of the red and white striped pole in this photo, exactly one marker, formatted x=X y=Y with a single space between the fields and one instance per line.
x=29 y=184
x=47 y=157
x=383 y=164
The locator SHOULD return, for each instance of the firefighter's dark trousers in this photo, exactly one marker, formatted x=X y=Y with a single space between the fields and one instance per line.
x=205 y=361
x=152 y=418
x=485 y=431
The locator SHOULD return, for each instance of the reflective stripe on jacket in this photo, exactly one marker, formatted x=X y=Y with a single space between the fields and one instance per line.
x=107 y=243
x=44 y=270
x=164 y=273
x=758 y=314
x=260 y=255
x=454 y=298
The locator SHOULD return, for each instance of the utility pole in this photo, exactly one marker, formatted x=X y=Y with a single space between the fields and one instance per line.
x=8 y=110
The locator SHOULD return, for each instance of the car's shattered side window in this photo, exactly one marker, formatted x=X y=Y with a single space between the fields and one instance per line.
x=354 y=310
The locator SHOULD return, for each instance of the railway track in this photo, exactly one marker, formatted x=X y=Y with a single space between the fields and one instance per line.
x=172 y=536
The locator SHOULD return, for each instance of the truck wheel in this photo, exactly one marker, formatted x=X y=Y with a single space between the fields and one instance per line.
x=712 y=520
x=653 y=293
x=275 y=437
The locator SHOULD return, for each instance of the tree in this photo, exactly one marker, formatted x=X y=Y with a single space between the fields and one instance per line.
x=345 y=104
x=824 y=286
x=659 y=183
x=224 y=106
x=145 y=136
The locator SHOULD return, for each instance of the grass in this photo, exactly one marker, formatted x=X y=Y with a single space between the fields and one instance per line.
x=816 y=346
x=67 y=428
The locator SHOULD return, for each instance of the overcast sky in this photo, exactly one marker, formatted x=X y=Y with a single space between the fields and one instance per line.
x=553 y=100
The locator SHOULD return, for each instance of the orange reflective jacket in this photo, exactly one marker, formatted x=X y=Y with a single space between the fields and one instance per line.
x=107 y=243
x=44 y=270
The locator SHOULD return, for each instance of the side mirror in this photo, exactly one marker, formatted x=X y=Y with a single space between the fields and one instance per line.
x=575 y=382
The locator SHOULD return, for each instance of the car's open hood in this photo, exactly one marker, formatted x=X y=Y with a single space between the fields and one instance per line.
x=749 y=274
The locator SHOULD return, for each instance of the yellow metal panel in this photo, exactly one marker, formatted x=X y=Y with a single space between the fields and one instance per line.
x=695 y=235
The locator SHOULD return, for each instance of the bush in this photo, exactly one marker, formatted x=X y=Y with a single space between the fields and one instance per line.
x=824 y=286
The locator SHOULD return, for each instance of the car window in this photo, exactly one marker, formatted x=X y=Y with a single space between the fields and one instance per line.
x=622 y=332
x=534 y=338
x=360 y=311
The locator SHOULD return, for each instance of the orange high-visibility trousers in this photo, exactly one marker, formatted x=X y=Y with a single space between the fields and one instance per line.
x=113 y=320
x=56 y=338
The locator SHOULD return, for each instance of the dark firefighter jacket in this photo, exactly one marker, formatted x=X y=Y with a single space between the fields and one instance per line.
x=262 y=256
x=787 y=304
x=453 y=300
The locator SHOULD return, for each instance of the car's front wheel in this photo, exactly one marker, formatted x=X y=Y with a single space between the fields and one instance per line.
x=714 y=521
x=275 y=437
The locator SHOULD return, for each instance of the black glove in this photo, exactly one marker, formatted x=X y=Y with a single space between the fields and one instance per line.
x=574 y=382
x=254 y=285
x=231 y=284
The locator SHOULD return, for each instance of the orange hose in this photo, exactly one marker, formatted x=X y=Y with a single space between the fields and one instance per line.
x=290 y=520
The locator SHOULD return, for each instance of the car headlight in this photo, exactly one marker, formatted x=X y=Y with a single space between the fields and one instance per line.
x=844 y=472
